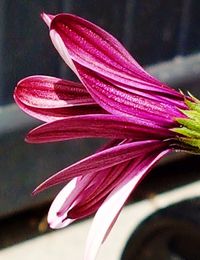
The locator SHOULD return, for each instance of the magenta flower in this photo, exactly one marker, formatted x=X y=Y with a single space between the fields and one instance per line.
x=115 y=99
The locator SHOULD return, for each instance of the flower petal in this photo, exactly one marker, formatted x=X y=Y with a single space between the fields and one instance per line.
x=94 y=48
x=47 y=18
x=54 y=220
x=101 y=160
x=103 y=184
x=73 y=194
x=96 y=125
x=81 y=42
x=110 y=73
x=52 y=114
x=110 y=209
x=119 y=101
x=50 y=92
x=89 y=196
x=48 y=98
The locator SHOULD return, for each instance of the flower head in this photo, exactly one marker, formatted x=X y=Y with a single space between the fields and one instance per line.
x=115 y=99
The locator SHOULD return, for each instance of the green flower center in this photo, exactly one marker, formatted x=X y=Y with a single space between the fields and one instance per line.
x=189 y=129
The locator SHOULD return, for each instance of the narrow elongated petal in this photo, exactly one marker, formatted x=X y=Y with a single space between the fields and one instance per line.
x=99 y=125
x=94 y=48
x=110 y=209
x=101 y=160
x=89 y=193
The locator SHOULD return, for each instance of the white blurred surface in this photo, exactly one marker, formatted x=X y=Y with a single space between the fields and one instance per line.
x=69 y=243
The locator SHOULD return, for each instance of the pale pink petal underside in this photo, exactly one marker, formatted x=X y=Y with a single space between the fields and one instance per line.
x=47 y=18
x=53 y=219
x=110 y=209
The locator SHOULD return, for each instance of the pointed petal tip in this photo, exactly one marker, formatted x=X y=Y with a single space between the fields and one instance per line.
x=59 y=225
x=28 y=140
x=47 y=18
x=52 y=226
x=39 y=188
x=35 y=192
x=15 y=95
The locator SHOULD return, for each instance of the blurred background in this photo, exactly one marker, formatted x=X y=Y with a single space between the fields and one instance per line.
x=163 y=36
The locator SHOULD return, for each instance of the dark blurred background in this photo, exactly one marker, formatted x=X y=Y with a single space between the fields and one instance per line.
x=152 y=30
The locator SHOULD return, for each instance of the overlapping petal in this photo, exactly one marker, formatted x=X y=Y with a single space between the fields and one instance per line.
x=80 y=189
x=53 y=219
x=89 y=199
x=84 y=195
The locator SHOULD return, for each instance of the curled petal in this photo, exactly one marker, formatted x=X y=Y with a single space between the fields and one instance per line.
x=48 y=98
x=54 y=114
x=47 y=18
x=50 y=92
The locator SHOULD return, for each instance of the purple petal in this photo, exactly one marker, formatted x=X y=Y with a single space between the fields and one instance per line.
x=91 y=191
x=81 y=42
x=99 y=125
x=101 y=160
x=92 y=54
x=118 y=101
x=49 y=92
x=94 y=48
x=52 y=114
x=49 y=99
x=110 y=209
x=93 y=197
x=47 y=18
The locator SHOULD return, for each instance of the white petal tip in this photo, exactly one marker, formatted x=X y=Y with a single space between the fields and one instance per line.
x=47 y=18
